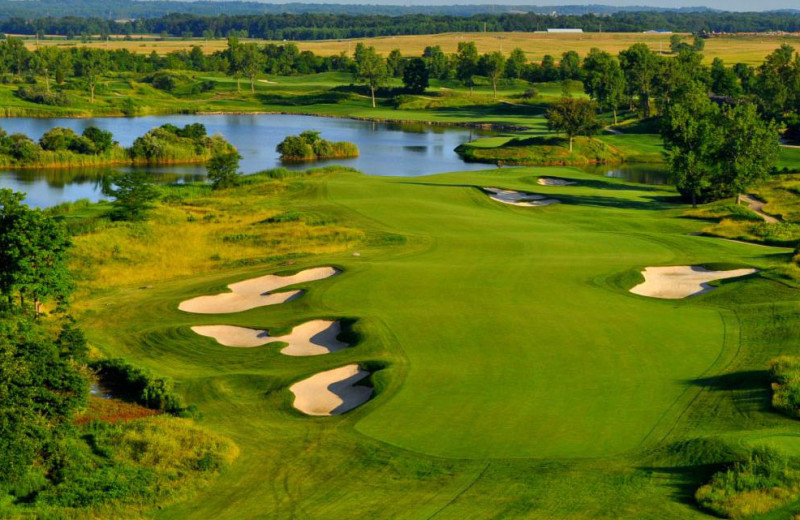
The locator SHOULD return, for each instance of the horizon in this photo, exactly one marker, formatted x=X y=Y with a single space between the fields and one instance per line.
x=742 y=6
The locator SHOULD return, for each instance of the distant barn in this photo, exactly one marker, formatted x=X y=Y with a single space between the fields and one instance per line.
x=565 y=30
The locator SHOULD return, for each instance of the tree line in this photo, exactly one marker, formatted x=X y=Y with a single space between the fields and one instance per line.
x=319 y=25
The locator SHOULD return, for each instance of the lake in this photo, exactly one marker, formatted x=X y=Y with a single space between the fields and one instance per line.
x=386 y=149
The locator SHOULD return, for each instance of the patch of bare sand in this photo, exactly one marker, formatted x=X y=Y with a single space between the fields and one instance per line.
x=555 y=181
x=519 y=198
x=331 y=392
x=311 y=338
x=680 y=281
x=256 y=292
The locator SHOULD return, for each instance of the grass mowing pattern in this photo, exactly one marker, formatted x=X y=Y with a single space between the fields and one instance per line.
x=509 y=343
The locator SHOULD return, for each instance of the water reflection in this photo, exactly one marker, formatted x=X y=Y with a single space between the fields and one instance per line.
x=639 y=173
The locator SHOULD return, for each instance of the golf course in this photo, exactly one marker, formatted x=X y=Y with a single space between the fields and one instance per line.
x=511 y=365
x=479 y=266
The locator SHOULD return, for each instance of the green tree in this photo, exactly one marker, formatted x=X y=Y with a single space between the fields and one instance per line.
x=416 y=76
x=395 y=63
x=570 y=65
x=370 y=69
x=92 y=64
x=235 y=56
x=692 y=139
x=33 y=250
x=223 y=170
x=515 y=65
x=252 y=63
x=437 y=62
x=750 y=148
x=724 y=80
x=640 y=66
x=134 y=193
x=467 y=63
x=493 y=65
x=102 y=140
x=604 y=80
x=573 y=117
x=42 y=386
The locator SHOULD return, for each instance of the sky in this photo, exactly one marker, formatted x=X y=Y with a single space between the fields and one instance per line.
x=727 y=5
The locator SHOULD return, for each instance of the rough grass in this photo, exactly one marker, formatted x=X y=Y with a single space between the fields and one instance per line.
x=197 y=230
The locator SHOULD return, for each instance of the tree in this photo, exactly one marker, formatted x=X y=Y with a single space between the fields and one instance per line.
x=750 y=148
x=102 y=140
x=415 y=76
x=573 y=117
x=42 y=386
x=370 y=69
x=515 y=65
x=133 y=192
x=692 y=139
x=467 y=63
x=675 y=43
x=92 y=64
x=33 y=250
x=235 y=57
x=724 y=80
x=223 y=170
x=437 y=62
x=44 y=62
x=252 y=63
x=493 y=65
x=640 y=66
x=570 y=66
x=604 y=80
x=395 y=63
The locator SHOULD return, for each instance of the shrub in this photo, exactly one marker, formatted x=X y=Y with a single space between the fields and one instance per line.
x=57 y=139
x=129 y=382
x=756 y=485
x=38 y=94
x=309 y=146
x=785 y=375
x=164 y=81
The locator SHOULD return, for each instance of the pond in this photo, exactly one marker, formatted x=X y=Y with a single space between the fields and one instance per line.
x=386 y=149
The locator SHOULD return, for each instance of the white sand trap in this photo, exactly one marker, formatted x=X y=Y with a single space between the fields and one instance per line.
x=268 y=82
x=311 y=338
x=555 y=181
x=256 y=292
x=680 y=281
x=331 y=392
x=519 y=198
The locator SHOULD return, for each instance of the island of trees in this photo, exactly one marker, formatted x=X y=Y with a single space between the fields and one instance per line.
x=63 y=147
x=309 y=146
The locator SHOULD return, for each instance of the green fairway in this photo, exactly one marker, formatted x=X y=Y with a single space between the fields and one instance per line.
x=514 y=371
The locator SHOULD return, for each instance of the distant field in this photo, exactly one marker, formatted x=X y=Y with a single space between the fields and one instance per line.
x=747 y=49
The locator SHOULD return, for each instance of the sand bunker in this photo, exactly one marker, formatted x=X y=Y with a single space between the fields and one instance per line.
x=331 y=392
x=555 y=181
x=311 y=338
x=519 y=198
x=680 y=281
x=256 y=292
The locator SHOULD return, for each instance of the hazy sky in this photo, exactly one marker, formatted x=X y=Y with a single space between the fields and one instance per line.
x=728 y=5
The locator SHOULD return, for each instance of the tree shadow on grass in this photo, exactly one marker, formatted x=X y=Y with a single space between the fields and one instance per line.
x=748 y=390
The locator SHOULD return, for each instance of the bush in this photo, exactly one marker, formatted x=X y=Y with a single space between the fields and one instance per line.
x=128 y=382
x=309 y=146
x=164 y=81
x=785 y=375
x=38 y=94
x=756 y=485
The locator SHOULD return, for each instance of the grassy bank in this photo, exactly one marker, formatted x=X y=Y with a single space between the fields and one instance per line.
x=492 y=400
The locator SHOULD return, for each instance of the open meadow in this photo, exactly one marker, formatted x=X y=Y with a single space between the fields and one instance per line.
x=749 y=49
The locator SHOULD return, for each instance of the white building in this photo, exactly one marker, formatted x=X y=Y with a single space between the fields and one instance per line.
x=565 y=31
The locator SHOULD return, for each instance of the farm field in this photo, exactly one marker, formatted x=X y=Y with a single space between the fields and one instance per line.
x=514 y=372
x=749 y=49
